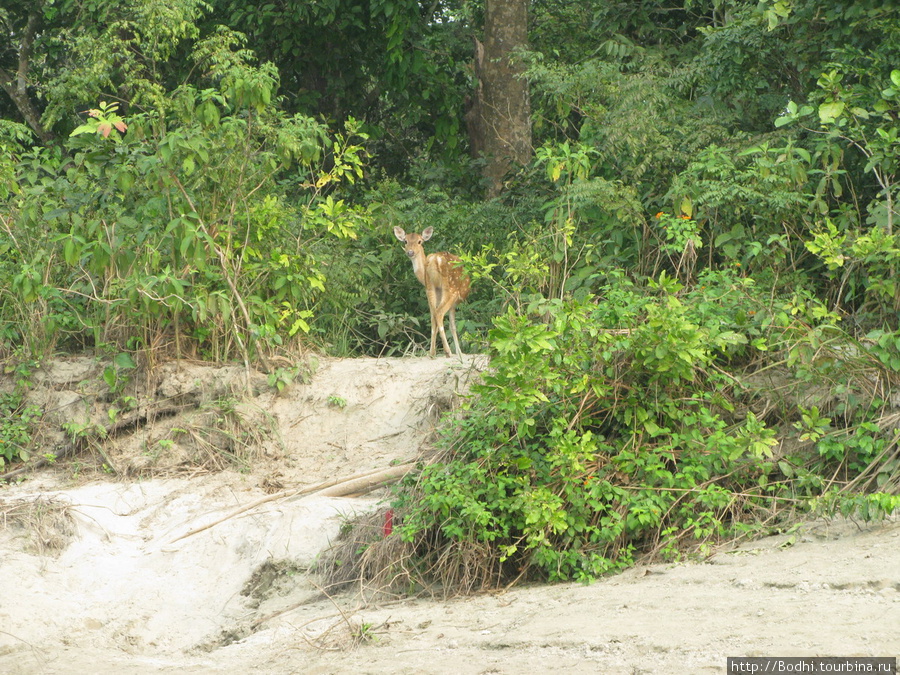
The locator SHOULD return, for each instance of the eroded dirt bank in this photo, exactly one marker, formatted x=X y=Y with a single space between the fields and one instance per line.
x=127 y=592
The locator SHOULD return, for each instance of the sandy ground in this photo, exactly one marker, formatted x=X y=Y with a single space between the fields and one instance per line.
x=131 y=594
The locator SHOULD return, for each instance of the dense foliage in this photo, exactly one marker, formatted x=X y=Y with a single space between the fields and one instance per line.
x=713 y=197
x=588 y=444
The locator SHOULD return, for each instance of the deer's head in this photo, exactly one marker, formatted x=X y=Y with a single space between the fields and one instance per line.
x=413 y=241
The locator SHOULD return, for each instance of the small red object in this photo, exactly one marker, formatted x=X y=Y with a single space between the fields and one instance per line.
x=388 y=526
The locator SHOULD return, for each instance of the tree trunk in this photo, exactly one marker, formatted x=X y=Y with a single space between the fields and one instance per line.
x=500 y=114
x=16 y=84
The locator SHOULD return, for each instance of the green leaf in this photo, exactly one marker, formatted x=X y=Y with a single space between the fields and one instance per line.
x=836 y=188
x=556 y=171
x=125 y=181
x=185 y=244
x=297 y=326
x=89 y=128
x=124 y=360
x=830 y=111
x=69 y=251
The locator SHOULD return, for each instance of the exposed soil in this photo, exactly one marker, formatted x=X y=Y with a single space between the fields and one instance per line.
x=105 y=574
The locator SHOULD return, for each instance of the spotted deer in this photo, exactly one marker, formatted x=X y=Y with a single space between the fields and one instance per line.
x=446 y=284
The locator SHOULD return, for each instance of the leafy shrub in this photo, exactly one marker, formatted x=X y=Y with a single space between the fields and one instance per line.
x=611 y=427
x=187 y=227
x=587 y=442
x=18 y=421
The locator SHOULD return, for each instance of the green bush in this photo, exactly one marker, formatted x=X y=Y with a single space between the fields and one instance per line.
x=188 y=228
x=609 y=428
x=586 y=443
x=18 y=421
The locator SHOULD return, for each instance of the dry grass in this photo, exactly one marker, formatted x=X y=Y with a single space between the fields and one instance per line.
x=387 y=567
x=225 y=434
x=212 y=437
x=46 y=523
x=363 y=556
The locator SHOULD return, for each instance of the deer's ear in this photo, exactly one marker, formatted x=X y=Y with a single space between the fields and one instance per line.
x=400 y=234
x=427 y=232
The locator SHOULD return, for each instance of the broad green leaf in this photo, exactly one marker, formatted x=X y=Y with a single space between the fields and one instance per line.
x=125 y=181
x=556 y=171
x=185 y=244
x=88 y=128
x=124 y=360
x=830 y=111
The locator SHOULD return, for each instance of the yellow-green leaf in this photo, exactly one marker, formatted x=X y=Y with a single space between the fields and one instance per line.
x=831 y=110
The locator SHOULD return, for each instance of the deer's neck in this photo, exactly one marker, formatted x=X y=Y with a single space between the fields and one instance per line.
x=418 y=263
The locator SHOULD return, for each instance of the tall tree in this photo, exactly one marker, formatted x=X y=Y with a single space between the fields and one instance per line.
x=21 y=28
x=500 y=120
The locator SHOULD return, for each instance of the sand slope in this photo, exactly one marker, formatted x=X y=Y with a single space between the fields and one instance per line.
x=127 y=595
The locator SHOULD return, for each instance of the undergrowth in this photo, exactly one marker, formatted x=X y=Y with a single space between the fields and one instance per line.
x=611 y=429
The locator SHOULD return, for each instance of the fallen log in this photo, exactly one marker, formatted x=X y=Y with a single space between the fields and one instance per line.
x=340 y=487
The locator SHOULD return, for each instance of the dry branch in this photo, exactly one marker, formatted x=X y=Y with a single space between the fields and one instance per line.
x=340 y=487
x=362 y=484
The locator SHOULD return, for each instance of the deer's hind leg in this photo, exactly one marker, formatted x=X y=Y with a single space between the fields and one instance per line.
x=439 y=322
x=447 y=306
x=433 y=294
x=453 y=330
